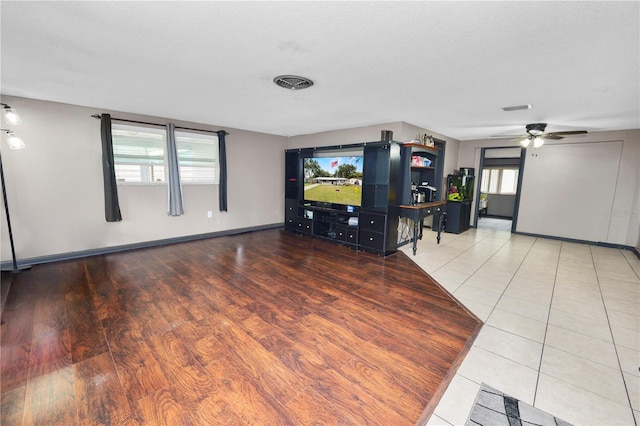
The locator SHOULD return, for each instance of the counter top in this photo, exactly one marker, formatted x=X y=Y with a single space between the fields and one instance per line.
x=423 y=205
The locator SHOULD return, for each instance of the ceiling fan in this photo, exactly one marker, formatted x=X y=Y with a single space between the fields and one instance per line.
x=536 y=134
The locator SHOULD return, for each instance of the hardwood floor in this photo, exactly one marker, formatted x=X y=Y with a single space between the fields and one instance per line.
x=258 y=328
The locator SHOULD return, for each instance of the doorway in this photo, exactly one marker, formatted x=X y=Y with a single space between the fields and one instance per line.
x=500 y=179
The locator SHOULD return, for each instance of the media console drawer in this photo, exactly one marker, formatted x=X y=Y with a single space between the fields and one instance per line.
x=352 y=235
x=372 y=222
x=372 y=240
x=300 y=225
x=347 y=233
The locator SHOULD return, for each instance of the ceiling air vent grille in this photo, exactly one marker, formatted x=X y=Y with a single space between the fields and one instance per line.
x=292 y=82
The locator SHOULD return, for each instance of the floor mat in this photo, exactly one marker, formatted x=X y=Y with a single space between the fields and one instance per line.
x=494 y=408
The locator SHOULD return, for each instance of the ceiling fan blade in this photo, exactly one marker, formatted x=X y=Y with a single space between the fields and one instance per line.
x=552 y=136
x=569 y=132
x=519 y=139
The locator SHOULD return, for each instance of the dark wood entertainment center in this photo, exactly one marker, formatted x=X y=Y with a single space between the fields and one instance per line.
x=389 y=168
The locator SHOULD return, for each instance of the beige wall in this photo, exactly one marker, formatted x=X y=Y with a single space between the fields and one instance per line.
x=55 y=188
x=345 y=136
x=621 y=227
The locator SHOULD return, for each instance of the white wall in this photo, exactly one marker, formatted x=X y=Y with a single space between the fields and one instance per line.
x=588 y=172
x=55 y=188
x=503 y=153
x=619 y=215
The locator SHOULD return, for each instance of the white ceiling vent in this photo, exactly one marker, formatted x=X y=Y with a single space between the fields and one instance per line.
x=292 y=82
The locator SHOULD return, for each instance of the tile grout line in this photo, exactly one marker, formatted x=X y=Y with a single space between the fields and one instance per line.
x=615 y=348
x=546 y=328
x=511 y=280
x=562 y=252
x=501 y=294
x=630 y=266
x=484 y=263
x=460 y=254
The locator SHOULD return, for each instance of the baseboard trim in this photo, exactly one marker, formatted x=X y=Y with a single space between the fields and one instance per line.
x=571 y=240
x=147 y=244
x=494 y=216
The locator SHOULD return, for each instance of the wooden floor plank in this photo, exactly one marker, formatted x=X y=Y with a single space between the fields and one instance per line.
x=355 y=405
x=12 y=406
x=85 y=329
x=100 y=397
x=14 y=365
x=213 y=410
x=159 y=408
x=138 y=370
x=259 y=328
x=50 y=399
x=187 y=379
x=244 y=395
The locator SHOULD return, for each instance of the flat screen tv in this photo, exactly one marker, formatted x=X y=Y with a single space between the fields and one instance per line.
x=335 y=180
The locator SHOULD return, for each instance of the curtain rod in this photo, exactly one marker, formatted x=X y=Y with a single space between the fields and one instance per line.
x=98 y=116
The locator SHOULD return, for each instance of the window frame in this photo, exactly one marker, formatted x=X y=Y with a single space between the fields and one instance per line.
x=180 y=133
x=126 y=127
x=215 y=144
x=488 y=180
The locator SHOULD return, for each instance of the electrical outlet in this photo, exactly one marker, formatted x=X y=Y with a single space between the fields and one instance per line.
x=209 y=214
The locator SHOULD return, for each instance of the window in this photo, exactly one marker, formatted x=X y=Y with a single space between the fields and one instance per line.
x=499 y=180
x=197 y=157
x=509 y=182
x=494 y=177
x=139 y=153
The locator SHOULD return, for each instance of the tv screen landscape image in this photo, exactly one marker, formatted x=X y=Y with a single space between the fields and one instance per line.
x=334 y=180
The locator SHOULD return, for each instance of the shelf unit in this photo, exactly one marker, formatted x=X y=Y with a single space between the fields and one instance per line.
x=420 y=174
x=378 y=226
x=386 y=184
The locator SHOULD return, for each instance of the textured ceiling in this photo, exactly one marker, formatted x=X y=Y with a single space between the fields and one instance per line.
x=445 y=66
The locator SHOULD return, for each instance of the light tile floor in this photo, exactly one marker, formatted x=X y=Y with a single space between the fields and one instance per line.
x=562 y=323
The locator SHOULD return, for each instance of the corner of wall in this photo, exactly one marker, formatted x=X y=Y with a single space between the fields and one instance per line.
x=345 y=136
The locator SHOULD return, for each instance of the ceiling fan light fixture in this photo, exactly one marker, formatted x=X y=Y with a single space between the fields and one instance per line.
x=536 y=129
x=538 y=142
x=525 y=142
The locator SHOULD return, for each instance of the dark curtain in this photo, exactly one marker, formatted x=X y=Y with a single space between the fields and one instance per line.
x=222 y=153
x=111 y=206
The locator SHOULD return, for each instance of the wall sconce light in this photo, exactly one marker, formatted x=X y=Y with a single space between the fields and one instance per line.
x=14 y=141
x=11 y=116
